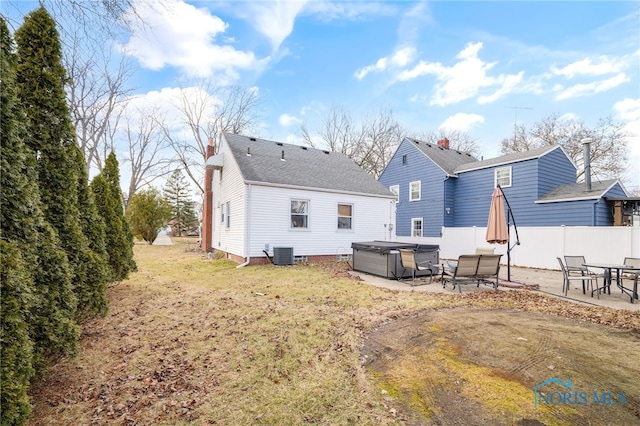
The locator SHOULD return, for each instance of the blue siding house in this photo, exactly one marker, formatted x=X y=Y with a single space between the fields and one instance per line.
x=440 y=187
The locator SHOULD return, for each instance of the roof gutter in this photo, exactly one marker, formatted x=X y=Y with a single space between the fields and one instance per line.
x=310 y=188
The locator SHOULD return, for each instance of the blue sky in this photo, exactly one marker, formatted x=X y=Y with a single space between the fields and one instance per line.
x=435 y=64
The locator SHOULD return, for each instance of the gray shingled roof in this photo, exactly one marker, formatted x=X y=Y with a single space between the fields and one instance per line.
x=447 y=159
x=507 y=158
x=577 y=191
x=303 y=166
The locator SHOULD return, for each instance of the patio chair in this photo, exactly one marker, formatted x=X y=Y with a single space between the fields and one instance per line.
x=485 y=250
x=408 y=261
x=575 y=267
x=567 y=278
x=489 y=267
x=473 y=269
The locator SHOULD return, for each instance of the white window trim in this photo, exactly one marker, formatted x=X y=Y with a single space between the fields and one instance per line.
x=338 y=217
x=495 y=177
x=413 y=221
x=293 y=228
x=397 y=192
x=419 y=182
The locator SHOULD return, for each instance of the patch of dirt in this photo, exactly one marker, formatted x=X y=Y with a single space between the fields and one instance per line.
x=466 y=366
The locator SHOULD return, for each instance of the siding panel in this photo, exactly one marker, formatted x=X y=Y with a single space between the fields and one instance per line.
x=270 y=221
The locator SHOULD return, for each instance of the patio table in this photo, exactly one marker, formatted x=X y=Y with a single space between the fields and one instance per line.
x=608 y=269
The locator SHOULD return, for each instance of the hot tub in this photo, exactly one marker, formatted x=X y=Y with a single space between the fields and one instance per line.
x=382 y=258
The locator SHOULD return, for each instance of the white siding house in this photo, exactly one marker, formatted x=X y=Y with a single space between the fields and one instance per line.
x=268 y=194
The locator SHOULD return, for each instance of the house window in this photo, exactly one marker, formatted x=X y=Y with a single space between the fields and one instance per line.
x=414 y=190
x=299 y=213
x=503 y=177
x=344 y=216
x=416 y=227
x=404 y=159
x=228 y=208
x=221 y=207
x=395 y=189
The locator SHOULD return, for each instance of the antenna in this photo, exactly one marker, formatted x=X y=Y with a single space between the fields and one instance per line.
x=515 y=120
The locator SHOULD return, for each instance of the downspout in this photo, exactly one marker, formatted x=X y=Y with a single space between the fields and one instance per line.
x=247 y=223
x=444 y=204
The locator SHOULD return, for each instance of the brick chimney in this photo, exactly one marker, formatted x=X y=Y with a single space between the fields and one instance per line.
x=444 y=143
x=207 y=208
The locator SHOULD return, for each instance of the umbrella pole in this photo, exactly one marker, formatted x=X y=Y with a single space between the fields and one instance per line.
x=517 y=243
x=508 y=248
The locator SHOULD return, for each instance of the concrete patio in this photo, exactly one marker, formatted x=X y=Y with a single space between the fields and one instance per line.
x=543 y=281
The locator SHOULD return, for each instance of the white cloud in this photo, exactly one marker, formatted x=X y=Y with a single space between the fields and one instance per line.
x=464 y=79
x=274 y=19
x=294 y=139
x=510 y=84
x=586 y=89
x=628 y=110
x=461 y=121
x=180 y=35
x=329 y=11
x=287 y=120
x=599 y=66
x=400 y=58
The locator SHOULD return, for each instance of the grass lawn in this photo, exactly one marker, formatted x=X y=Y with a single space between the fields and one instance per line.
x=197 y=341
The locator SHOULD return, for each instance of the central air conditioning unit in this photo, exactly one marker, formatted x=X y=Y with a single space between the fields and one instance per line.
x=283 y=256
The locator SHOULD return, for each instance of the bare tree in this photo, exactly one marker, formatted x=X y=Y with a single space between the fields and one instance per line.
x=608 y=143
x=369 y=143
x=146 y=148
x=96 y=82
x=458 y=140
x=95 y=97
x=207 y=112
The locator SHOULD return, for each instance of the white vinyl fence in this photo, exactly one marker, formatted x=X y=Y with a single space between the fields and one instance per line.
x=539 y=246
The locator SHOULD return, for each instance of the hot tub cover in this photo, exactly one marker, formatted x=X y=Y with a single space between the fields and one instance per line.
x=387 y=246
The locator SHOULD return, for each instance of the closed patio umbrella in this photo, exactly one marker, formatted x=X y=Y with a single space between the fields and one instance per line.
x=498 y=227
x=497 y=231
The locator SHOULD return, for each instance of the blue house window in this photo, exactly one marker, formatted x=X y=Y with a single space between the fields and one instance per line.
x=414 y=190
x=502 y=177
x=416 y=227
x=404 y=159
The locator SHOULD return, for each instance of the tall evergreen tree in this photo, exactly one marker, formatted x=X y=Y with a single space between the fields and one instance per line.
x=41 y=79
x=38 y=304
x=16 y=282
x=178 y=194
x=93 y=299
x=119 y=238
x=17 y=348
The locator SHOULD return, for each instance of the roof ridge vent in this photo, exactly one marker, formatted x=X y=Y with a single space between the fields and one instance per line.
x=252 y=139
x=279 y=143
x=326 y=152
x=304 y=147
